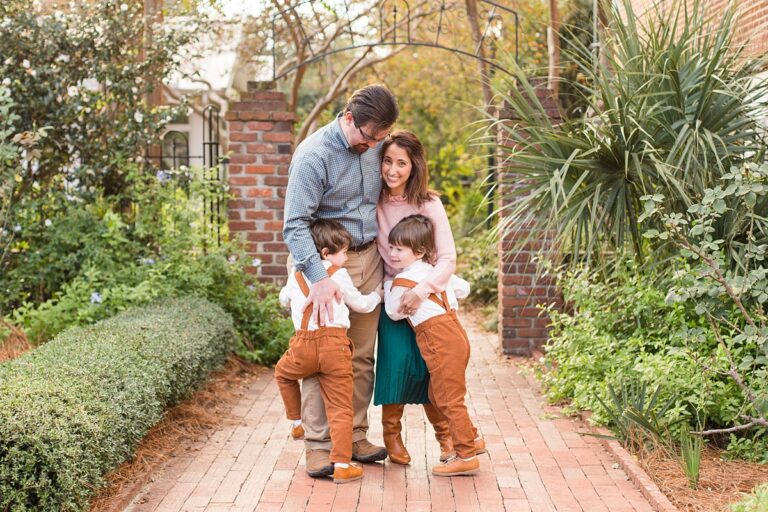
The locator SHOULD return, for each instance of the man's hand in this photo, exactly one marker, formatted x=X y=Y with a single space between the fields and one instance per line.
x=321 y=297
x=409 y=303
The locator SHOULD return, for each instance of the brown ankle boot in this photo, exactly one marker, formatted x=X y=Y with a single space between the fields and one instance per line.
x=390 y=420
x=442 y=431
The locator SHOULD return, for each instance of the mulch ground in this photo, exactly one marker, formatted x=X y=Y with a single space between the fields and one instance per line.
x=15 y=344
x=721 y=481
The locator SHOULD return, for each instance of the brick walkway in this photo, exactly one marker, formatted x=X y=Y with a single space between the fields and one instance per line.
x=536 y=460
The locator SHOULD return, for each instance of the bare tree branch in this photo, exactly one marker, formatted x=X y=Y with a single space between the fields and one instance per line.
x=738 y=428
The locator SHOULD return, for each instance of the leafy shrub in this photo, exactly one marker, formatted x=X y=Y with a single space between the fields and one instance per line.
x=622 y=328
x=76 y=407
x=77 y=71
x=755 y=502
x=100 y=261
x=478 y=263
x=670 y=107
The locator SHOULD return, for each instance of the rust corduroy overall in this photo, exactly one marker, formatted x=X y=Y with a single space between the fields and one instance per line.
x=327 y=354
x=444 y=345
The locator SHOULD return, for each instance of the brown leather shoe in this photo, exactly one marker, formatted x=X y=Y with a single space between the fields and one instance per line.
x=319 y=463
x=393 y=442
x=480 y=446
x=297 y=432
x=365 y=451
x=442 y=431
x=457 y=467
x=344 y=475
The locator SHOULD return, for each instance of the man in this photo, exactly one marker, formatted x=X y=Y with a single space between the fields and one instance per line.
x=335 y=174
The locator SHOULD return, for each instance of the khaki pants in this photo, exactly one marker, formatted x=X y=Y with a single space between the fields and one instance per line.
x=444 y=345
x=367 y=272
x=327 y=354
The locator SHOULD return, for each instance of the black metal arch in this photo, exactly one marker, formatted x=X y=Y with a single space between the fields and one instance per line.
x=408 y=41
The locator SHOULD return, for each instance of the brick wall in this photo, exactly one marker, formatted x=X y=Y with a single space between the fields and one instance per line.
x=260 y=134
x=751 y=20
x=522 y=327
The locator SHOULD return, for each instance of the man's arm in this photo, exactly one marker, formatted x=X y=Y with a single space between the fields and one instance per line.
x=306 y=183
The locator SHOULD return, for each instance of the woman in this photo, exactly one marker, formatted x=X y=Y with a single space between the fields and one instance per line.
x=401 y=374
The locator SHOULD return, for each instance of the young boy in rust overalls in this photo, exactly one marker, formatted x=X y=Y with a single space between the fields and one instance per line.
x=324 y=351
x=441 y=339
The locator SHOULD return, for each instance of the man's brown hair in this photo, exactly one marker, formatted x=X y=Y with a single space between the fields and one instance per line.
x=373 y=104
x=329 y=234
x=417 y=233
x=417 y=190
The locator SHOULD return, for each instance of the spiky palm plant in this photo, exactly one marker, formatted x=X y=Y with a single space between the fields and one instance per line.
x=673 y=105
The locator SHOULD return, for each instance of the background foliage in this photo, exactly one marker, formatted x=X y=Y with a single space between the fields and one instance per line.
x=87 y=228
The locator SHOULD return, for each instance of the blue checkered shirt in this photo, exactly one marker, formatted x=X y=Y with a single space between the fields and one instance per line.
x=328 y=180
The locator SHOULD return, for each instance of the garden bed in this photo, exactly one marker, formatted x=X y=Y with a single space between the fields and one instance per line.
x=722 y=481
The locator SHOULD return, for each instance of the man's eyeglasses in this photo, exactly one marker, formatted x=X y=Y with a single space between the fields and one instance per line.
x=369 y=138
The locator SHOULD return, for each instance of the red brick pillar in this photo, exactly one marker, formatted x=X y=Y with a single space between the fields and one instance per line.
x=260 y=147
x=522 y=326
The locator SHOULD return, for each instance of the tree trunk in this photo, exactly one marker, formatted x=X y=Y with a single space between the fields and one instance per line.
x=472 y=16
x=553 y=45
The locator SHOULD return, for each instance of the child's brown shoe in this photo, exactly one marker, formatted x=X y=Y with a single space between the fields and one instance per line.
x=297 y=432
x=455 y=466
x=479 y=448
x=344 y=475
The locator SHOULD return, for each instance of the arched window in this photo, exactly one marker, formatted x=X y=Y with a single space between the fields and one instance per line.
x=175 y=150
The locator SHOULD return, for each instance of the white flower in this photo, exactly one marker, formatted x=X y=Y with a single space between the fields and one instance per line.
x=7 y=82
x=3 y=232
x=138 y=117
x=255 y=262
x=48 y=223
x=25 y=63
x=123 y=7
x=232 y=259
x=17 y=228
x=135 y=90
x=95 y=298
x=62 y=58
x=73 y=90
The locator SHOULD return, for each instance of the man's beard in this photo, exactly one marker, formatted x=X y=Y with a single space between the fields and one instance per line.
x=360 y=148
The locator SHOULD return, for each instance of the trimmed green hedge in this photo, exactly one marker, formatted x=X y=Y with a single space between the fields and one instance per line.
x=78 y=406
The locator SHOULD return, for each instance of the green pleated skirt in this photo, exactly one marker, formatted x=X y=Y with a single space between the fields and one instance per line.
x=401 y=373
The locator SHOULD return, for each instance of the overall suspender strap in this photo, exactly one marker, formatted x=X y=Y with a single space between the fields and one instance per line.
x=305 y=290
x=407 y=283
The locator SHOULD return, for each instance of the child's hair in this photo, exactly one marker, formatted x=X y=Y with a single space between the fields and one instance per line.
x=417 y=190
x=415 y=232
x=329 y=234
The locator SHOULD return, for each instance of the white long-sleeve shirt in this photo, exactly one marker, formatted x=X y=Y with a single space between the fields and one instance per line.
x=291 y=295
x=457 y=289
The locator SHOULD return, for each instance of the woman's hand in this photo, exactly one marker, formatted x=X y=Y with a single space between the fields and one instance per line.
x=409 y=303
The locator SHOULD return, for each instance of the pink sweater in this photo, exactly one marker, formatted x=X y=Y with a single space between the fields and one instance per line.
x=390 y=211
